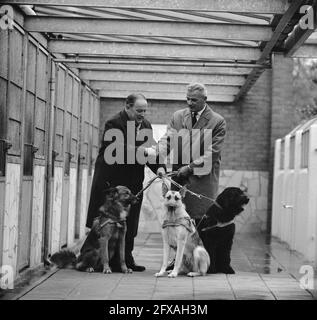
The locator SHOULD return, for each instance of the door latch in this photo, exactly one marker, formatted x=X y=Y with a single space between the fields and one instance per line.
x=6 y=145
x=35 y=149
x=55 y=154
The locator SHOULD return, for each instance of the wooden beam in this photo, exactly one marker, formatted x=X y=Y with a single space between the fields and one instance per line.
x=148 y=28
x=250 y=81
x=161 y=77
x=296 y=40
x=243 y=6
x=153 y=50
x=306 y=51
x=161 y=68
x=150 y=95
x=157 y=61
x=312 y=39
x=299 y=35
x=267 y=51
x=162 y=87
x=284 y=22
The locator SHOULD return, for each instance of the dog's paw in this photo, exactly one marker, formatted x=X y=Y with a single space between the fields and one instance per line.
x=160 y=274
x=173 y=274
x=107 y=270
x=195 y=274
x=90 y=270
x=126 y=270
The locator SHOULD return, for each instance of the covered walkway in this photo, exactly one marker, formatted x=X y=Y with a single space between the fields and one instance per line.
x=66 y=67
x=263 y=272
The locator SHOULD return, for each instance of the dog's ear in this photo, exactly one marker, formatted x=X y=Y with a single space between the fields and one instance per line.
x=182 y=192
x=164 y=189
x=110 y=191
x=243 y=188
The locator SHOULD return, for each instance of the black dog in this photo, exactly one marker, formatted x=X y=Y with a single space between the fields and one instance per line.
x=217 y=229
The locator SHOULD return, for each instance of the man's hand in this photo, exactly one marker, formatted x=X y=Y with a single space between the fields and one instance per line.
x=184 y=172
x=150 y=152
x=160 y=172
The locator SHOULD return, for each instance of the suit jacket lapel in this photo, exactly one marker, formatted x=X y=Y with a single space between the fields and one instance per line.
x=124 y=119
x=187 y=119
x=203 y=119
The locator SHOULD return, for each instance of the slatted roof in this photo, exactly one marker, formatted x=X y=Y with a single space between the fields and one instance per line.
x=158 y=46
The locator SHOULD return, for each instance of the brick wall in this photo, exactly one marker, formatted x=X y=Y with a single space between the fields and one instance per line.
x=283 y=118
x=247 y=142
x=283 y=115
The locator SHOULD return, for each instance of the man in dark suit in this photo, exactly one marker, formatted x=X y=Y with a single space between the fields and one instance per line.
x=126 y=170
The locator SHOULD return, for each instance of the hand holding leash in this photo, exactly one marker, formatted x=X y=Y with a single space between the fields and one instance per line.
x=161 y=172
x=168 y=177
x=184 y=172
x=150 y=152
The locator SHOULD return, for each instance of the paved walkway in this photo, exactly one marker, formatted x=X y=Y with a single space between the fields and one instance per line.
x=262 y=272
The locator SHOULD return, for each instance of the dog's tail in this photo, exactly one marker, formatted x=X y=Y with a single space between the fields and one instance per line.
x=63 y=259
x=201 y=260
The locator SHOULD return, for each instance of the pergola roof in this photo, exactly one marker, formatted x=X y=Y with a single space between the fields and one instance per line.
x=158 y=46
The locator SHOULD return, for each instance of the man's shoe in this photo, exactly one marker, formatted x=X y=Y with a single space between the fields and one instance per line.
x=135 y=267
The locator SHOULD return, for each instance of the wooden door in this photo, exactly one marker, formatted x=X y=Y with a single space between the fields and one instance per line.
x=83 y=160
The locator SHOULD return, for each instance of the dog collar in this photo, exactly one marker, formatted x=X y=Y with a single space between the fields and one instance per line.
x=119 y=223
x=218 y=225
x=221 y=225
x=218 y=205
x=184 y=221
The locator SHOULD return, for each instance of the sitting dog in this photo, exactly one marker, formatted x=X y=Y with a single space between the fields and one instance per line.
x=106 y=236
x=217 y=228
x=179 y=233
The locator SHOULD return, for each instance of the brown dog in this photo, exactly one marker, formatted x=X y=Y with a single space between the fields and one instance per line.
x=106 y=237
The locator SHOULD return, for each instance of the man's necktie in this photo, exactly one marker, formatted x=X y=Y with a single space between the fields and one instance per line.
x=194 y=119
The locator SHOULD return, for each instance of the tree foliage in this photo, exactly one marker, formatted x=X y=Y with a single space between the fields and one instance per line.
x=305 y=87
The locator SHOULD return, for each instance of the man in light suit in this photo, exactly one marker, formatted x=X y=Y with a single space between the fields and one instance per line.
x=198 y=157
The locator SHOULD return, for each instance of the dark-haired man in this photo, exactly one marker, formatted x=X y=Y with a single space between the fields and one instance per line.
x=127 y=171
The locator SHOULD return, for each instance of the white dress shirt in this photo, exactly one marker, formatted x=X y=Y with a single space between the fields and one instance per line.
x=199 y=113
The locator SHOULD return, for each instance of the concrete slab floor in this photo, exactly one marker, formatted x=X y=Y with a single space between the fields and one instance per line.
x=264 y=271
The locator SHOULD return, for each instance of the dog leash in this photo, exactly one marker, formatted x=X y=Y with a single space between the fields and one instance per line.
x=152 y=180
x=198 y=195
x=119 y=223
x=148 y=184
x=168 y=177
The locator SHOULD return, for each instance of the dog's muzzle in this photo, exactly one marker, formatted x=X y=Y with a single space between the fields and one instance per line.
x=133 y=199
x=245 y=199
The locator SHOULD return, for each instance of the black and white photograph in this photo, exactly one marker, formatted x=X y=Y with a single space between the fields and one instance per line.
x=158 y=155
